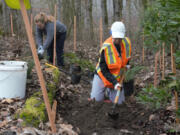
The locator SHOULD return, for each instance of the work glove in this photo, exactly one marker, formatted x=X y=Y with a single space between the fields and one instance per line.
x=117 y=86
x=128 y=67
x=40 y=50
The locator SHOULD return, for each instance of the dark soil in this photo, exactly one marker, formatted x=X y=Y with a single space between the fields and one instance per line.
x=92 y=117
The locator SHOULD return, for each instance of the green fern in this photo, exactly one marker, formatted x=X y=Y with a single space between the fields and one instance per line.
x=177 y=56
x=130 y=74
x=154 y=97
x=174 y=84
x=159 y=97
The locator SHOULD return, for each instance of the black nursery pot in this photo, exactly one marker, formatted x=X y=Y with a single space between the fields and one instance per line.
x=75 y=71
x=128 y=87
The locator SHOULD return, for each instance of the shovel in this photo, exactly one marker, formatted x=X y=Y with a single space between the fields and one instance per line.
x=114 y=114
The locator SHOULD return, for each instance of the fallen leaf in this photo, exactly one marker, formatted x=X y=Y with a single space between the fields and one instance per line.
x=5 y=113
x=3 y=123
x=147 y=76
x=7 y=100
x=126 y=131
x=30 y=131
x=172 y=107
x=152 y=117
x=66 y=129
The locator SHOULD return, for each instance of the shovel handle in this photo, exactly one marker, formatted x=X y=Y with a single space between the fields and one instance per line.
x=119 y=90
x=117 y=97
x=52 y=66
x=122 y=79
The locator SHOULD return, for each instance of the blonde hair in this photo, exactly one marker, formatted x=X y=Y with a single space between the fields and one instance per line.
x=43 y=18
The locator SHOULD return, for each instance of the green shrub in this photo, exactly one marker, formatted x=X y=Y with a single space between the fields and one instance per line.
x=161 y=23
x=177 y=58
x=30 y=67
x=159 y=97
x=83 y=63
x=154 y=97
x=130 y=74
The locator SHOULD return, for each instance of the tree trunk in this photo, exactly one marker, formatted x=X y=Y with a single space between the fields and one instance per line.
x=117 y=8
x=145 y=3
x=104 y=19
x=78 y=17
x=128 y=25
x=59 y=5
x=104 y=11
x=67 y=15
x=90 y=5
x=51 y=4
x=6 y=18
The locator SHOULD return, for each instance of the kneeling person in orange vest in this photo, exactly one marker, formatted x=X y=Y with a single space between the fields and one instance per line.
x=114 y=56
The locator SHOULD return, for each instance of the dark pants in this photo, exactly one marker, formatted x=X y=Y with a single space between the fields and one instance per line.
x=59 y=49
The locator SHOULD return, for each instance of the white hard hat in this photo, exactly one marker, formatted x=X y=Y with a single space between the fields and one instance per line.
x=118 y=30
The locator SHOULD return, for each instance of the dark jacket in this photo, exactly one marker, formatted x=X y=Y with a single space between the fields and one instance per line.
x=49 y=32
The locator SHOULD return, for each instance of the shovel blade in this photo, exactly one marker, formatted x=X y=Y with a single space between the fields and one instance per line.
x=113 y=115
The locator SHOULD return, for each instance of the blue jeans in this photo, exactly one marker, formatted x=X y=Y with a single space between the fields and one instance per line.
x=98 y=91
x=60 y=38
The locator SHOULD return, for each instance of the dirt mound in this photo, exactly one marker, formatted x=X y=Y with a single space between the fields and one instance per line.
x=92 y=117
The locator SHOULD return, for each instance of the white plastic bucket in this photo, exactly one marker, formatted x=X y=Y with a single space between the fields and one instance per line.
x=13 y=75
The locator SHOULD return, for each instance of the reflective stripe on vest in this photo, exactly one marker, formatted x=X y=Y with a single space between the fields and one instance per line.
x=98 y=68
x=110 y=55
x=117 y=76
x=103 y=47
x=126 y=44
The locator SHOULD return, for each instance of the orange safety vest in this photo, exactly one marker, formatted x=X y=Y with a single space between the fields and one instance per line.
x=113 y=61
